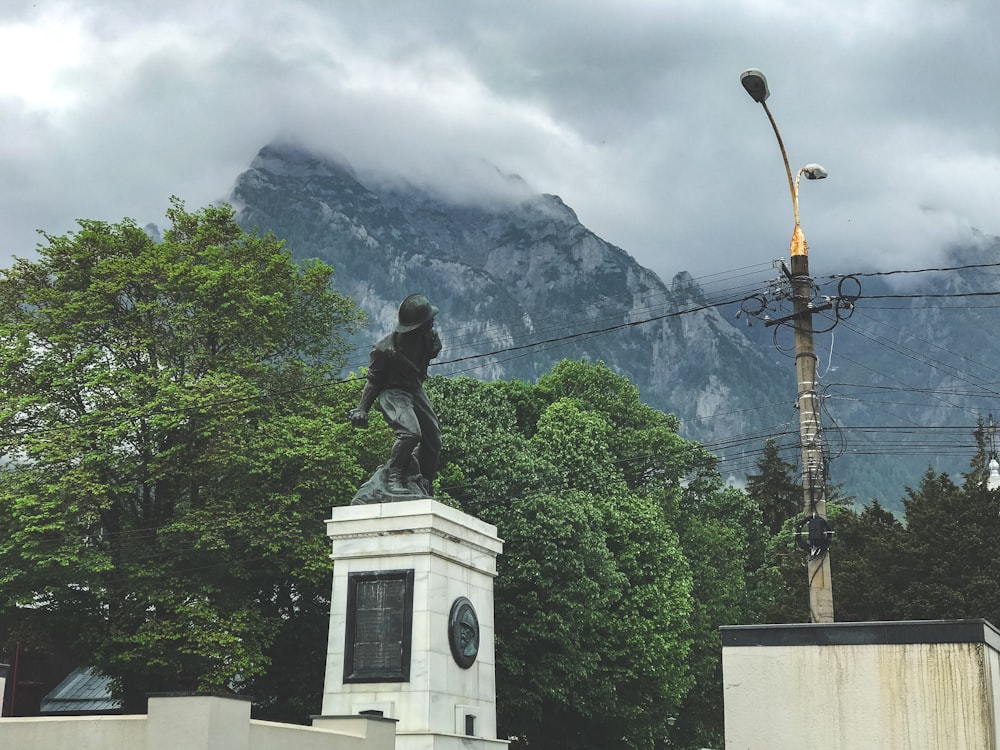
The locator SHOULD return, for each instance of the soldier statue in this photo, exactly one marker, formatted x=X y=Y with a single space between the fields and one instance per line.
x=396 y=373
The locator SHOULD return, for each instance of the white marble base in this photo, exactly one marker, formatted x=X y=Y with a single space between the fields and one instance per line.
x=452 y=555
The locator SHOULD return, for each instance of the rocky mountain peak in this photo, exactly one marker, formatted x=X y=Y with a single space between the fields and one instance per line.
x=521 y=283
x=686 y=289
x=505 y=273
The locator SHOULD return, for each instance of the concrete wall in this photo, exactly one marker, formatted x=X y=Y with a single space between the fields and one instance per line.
x=854 y=686
x=194 y=722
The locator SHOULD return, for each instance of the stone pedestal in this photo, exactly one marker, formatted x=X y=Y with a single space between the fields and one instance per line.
x=921 y=685
x=411 y=580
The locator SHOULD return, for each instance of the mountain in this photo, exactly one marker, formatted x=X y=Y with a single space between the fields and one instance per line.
x=509 y=273
x=521 y=284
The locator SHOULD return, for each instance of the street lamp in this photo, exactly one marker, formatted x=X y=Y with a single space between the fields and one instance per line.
x=756 y=85
x=810 y=431
x=799 y=246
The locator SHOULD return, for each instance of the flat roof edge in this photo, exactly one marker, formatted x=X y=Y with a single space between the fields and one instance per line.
x=862 y=633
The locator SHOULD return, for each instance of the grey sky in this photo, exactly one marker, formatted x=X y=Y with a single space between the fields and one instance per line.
x=630 y=110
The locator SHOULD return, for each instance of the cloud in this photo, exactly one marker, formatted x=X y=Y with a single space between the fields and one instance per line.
x=631 y=111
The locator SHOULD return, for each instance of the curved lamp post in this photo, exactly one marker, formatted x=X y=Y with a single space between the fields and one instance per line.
x=810 y=431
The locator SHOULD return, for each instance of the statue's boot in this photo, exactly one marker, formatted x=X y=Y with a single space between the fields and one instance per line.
x=395 y=481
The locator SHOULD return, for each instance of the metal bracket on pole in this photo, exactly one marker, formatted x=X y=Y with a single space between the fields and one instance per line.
x=778 y=321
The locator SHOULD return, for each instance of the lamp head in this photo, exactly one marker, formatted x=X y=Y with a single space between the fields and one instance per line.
x=756 y=84
x=814 y=172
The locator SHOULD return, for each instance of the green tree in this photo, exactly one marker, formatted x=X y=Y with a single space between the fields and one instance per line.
x=870 y=565
x=940 y=565
x=723 y=539
x=775 y=488
x=173 y=435
x=602 y=641
x=775 y=567
x=950 y=549
x=985 y=437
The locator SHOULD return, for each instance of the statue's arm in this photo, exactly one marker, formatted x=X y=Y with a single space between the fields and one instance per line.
x=368 y=395
x=359 y=414
x=376 y=374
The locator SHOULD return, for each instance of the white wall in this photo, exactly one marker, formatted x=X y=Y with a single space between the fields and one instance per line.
x=194 y=723
x=76 y=732
x=855 y=686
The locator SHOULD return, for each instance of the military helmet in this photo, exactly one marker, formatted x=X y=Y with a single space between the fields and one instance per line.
x=414 y=311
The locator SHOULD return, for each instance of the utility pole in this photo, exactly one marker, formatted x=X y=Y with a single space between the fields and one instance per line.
x=815 y=538
x=811 y=439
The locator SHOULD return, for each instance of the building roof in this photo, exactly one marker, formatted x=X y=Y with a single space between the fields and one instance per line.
x=84 y=691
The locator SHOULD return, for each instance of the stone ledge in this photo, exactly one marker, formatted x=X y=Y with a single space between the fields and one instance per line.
x=862 y=633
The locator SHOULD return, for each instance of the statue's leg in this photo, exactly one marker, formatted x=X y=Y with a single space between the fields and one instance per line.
x=428 y=453
x=397 y=406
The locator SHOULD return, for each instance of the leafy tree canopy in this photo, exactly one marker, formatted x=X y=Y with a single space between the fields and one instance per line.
x=775 y=489
x=599 y=613
x=172 y=438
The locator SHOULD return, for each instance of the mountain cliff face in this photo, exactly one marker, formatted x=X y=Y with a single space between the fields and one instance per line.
x=517 y=272
x=521 y=284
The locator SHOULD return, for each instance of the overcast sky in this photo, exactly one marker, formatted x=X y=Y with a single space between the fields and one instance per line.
x=632 y=111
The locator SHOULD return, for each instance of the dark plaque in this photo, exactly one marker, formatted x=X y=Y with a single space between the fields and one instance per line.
x=379 y=626
x=463 y=632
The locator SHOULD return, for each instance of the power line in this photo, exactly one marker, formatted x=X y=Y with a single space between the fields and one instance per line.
x=965 y=267
x=540 y=344
x=521 y=350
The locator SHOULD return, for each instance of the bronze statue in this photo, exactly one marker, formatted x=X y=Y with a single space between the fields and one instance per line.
x=396 y=372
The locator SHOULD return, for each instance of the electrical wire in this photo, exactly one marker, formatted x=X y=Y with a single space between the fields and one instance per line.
x=550 y=343
x=553 y=341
